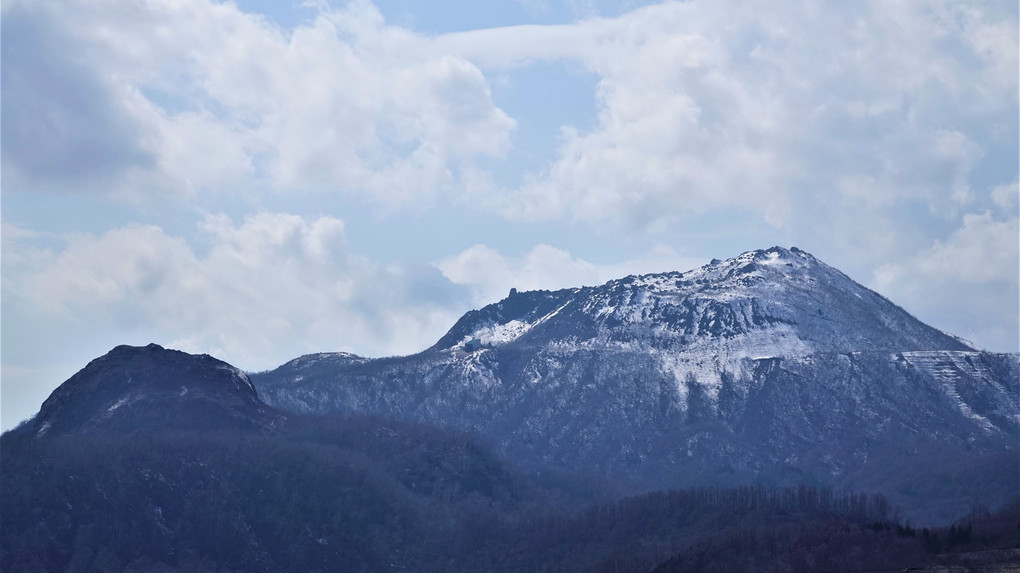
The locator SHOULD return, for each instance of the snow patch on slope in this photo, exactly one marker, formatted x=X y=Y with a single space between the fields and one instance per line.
x=493 y=333
x=950 y=369
x=503 y=333
x=706 y=362
x=123 y=400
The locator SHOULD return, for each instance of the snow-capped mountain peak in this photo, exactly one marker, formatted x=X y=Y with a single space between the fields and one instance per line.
x=770 y=302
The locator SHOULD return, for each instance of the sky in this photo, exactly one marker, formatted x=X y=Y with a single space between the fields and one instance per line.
x=262 y=179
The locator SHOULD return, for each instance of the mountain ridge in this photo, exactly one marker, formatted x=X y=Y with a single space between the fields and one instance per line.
x=720 y=299
x=769 y=368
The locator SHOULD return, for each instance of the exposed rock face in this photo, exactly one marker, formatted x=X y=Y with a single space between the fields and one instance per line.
x=150 y=388
x=771 y=367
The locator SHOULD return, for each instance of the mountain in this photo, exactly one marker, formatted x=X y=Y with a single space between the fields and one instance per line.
x=758 y=392
x=151 y=388
x=150 y=459
x=771 y=367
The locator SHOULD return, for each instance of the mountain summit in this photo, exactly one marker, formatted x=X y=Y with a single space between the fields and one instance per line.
x=150 y=388
x=770 y=367
x=772 y=302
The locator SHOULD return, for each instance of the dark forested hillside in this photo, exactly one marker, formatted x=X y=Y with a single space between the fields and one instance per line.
x=369 y=494
x=333 y=495
x=983 y=542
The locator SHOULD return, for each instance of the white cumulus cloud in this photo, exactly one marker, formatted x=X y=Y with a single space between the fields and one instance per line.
x=974 y=272
x=491 y=274
x=265 y=290
x=194 y=96
x=805 y=114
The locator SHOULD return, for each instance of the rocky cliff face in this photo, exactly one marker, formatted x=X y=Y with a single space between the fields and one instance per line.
x=771 y=366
